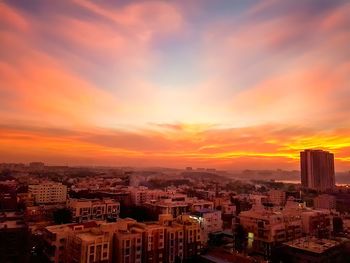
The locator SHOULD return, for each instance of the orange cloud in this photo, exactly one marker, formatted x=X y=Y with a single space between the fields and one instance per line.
x=267 y=85
x=233 y=148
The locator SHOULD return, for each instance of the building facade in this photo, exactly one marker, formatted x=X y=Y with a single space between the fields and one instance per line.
x=325 y=201
x=317 y=170
x=93 y=209
x=48 y=193
x=125 y=241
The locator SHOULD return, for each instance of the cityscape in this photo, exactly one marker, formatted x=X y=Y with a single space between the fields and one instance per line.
x=105 y=214
x=155 y=131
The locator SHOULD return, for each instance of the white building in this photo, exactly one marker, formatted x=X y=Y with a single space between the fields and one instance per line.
x=48 y=193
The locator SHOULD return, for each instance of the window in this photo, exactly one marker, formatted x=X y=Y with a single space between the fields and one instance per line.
x=92 y=249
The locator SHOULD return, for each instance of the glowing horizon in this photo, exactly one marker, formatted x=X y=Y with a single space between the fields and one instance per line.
x=231 y=85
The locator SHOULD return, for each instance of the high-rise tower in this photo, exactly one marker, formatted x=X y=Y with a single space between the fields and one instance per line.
x=317 y=170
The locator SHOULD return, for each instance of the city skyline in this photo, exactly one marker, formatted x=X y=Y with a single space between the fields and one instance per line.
x=231 y=85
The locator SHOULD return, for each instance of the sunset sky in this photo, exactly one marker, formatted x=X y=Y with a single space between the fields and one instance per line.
x=226 y=84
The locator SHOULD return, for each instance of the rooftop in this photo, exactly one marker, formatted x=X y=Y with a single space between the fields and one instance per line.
x=314 y=245
x=11 y=224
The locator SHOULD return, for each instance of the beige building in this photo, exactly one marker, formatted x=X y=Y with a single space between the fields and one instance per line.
x=193 y=242
x=174 y=239
x=48 y=193
x=127 y=246
x=142 y=195
x=153 y=237
x=90 y=246
x=124 y=241
x=56 y=238
x=93 y=209
x=267 y=228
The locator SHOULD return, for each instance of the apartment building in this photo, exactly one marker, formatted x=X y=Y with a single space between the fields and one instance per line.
x=127 y=246
x=316 y=222
x=48 y=193
x=167 y=206
x=174 y=239
x=209 y=220
x=266 y=228
x=178 y=205
x=88 y=246
x=225 y=205
x=193 y=242
x=124 y=241
x=93 y=209
x=142 y=195
x=196 y=205
x=277 y=197
x=325 y=201
x=153 y=236
x=56 y=237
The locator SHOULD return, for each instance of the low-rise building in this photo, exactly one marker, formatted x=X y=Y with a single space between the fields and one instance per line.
x=93 y=209
x=325 y=201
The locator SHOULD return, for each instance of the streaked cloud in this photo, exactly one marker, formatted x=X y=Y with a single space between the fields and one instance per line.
x=235 y=85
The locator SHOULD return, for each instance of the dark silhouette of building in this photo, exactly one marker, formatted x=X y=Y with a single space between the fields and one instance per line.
x=317 y=170
x=14 y=238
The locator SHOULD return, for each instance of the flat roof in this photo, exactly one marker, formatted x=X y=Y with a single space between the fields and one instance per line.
x=314 y=245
